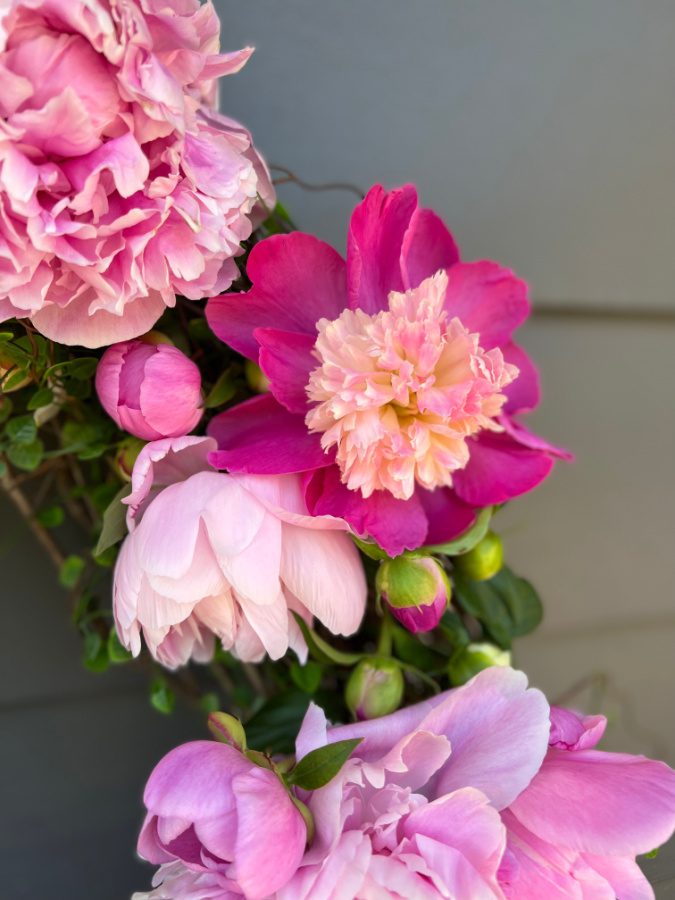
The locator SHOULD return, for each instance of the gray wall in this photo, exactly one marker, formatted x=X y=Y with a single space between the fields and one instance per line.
x=545 y=133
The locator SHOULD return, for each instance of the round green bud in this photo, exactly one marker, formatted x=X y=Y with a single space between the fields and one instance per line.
x=411 y=581
x=126 y=456
x=472 y=659
x=256 y=378
x=374 y=688
x=484 y=560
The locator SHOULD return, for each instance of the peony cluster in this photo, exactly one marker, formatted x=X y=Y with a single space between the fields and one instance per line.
x=483 y=793
x=120 y=185
x=230 y=556
x=395 y=381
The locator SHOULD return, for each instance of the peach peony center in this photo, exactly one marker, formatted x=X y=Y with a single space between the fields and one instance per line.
x=399 y=393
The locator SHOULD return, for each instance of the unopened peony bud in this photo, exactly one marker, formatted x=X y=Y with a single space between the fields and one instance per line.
x=126 y=456
x=151 y=390
x=473 y=658
x=416 y=591
x=484 y=560
x=256 y=378
x=375 y=688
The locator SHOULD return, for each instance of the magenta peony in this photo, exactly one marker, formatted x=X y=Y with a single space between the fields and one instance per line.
x=394 y=377
x=120 y=186
x=221 y=816
x=229 y=556
x=150 y=390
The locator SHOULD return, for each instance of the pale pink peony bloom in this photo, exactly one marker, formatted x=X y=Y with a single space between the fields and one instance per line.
x=150 y=390
x=227 y=556
x=218 y=816
x=399 y=392
x=120 y=186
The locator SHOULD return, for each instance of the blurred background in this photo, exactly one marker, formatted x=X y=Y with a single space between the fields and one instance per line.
x=544 y=133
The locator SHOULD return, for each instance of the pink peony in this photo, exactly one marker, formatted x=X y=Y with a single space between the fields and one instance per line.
x=394 y=378
x=150 y=390
x=222 y=817
x=120 y=186
x=480 y=792
x=574 y=818
x=227 y=555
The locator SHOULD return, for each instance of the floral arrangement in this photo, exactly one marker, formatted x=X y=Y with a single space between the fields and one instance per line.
x=293 y=488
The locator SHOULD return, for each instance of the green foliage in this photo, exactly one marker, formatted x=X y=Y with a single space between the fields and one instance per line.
x=506 y=606
x=162 y=698
x=71 y=570
x=320 y=766
x=307 y=677
x=275 y=726
x=114 y=522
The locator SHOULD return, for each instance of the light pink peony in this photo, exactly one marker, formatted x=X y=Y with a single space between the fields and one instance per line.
x=219 y=814
x=229 y=556
x=395 y=381
x=120 y=186
x=150 y=390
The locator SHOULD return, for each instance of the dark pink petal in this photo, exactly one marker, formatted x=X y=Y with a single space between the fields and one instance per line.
x=396 y=525
x=286 y=358
x=601 y=803
x=487 y=299
x=447 y=515
x=261 y=437
x=374 y=245
x=527 y=438
x=499 y=469
x=427 y=247
x=297 y=280
x=524 y=393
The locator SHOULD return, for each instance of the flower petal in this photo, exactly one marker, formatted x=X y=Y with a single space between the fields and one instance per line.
x=602 y=803
x=396 y=525
x=287 y=360
x=487 y=299
x=262 y=437
x=376 y=233
x=499 y=469
x=427 y=247
x=297 y=280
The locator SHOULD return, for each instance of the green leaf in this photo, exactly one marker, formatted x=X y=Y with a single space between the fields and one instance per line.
x=114 y=523
x=26 y=456
x=223 y=390
x=71 y=571
x=371 y=550
x=409 y=649
x=3 y=468
x=307 y=677
x=227 y=729
x=453 y=628
x=162 y=697
x=322 y=765
x=116 y=652
x=95 y=653
x=51 y=516
x=521 y=599
x=5 y=336
x=15 y=379
x=321 y=650
x=481 y=600
x=81 y=369
x=275 y=726
x=42 y=397
x=466 y=541
x=21 y=430
x=6 y=407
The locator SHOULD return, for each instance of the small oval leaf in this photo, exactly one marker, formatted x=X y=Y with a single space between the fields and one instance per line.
x=322 y=765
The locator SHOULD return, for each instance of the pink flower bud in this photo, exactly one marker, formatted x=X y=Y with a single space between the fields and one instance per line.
x=150 y=390
x=415 y=590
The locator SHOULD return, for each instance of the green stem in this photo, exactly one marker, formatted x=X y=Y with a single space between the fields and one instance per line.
x=384 y=641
